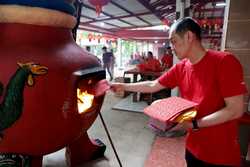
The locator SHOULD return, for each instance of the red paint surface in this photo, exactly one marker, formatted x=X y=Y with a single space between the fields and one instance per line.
x=44 y=127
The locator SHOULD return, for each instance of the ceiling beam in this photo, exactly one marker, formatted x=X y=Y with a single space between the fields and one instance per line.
x=110 y=29
x=206 y=1
x=94 y=21
x=94 y=28
x=130 y=28
x=131 y=13
x=164 y=3
x=142 y=34
x=150 y=8
x=118 y=17
x=109 y=15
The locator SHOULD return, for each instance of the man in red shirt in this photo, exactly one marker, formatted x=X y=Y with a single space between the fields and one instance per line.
x=150 y=64
x=167 y=59
x=212 y=79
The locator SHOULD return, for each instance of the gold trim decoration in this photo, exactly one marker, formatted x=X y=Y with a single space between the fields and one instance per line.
x=35 y=16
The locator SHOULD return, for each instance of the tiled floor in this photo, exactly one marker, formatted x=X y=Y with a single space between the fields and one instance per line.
x=131 y=136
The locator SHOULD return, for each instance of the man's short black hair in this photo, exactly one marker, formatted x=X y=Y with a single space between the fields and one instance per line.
x=187 y=24
x=104 y=48
x=150 y=53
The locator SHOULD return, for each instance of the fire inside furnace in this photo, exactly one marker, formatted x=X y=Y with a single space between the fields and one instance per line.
x=84 y=100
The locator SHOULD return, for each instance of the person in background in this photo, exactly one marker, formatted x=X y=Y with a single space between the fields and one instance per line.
x=150 y=63
x=167 y=59
x=153 y=64
x=107 y=58
x=88 y=48
x=212 y=79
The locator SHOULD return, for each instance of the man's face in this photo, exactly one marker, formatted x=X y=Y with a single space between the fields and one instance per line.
x=169 y=51
x=179 y=45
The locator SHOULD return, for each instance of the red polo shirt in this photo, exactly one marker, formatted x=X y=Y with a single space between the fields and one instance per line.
x=167 y=61
x=151 y=65
x=216 y=76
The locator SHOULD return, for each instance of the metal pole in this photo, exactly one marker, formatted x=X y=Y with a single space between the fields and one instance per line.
x=110 y=140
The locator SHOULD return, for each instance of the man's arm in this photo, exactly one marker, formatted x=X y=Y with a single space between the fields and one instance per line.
x=234 y=109
x=145 y=86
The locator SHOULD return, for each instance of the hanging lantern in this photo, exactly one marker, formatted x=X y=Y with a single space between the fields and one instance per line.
x=204 y=23
x=166 y=22
x=98 y=5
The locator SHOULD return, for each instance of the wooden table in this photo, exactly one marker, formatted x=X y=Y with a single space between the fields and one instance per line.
x=148 y=74
x=137 y=72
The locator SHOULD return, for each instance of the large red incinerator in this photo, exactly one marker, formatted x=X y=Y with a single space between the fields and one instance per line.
x=47 y=81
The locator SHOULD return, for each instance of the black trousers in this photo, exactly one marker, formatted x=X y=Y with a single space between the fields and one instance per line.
x=192 y=161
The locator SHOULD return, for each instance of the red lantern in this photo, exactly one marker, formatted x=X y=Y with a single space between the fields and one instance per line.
x=166 y=22
x=204 y=22
x=98 y=5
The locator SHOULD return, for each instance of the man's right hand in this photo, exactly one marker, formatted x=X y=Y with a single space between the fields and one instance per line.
x=117 y=87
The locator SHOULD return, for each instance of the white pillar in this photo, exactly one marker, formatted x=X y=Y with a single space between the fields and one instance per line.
x=182 y=9
x=119 y=52
x=224 y=32
x=180 y=6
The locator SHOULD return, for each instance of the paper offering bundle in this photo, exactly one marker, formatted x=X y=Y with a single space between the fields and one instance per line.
x=166 y=113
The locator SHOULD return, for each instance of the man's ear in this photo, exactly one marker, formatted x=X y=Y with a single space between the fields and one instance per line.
x=190 y=36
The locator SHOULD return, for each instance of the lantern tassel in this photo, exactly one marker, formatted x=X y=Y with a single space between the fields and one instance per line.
x=98 y=10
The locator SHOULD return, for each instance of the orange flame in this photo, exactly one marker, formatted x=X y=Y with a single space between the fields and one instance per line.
x=84 y=101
